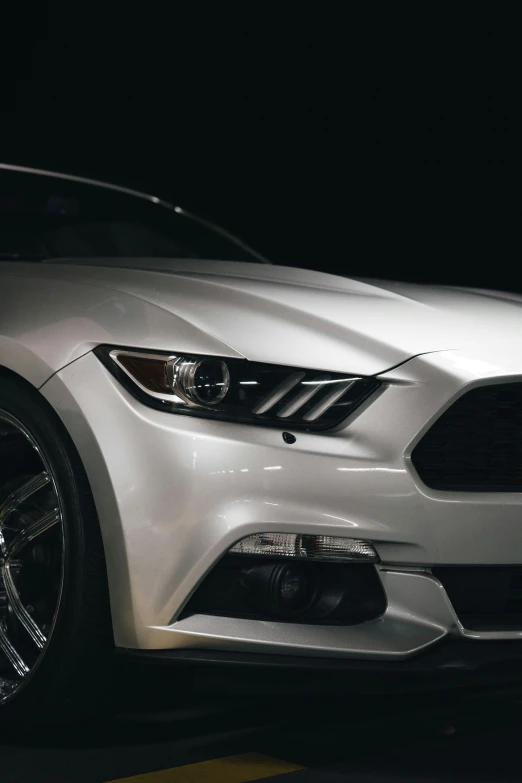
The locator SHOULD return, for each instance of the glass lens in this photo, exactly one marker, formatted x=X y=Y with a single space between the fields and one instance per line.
x=330 y=548
x=151 y=373
x=292 y=585
x=295 y=588
x=211 y=381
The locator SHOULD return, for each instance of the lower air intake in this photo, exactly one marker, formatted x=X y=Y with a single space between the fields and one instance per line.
x=484 y=598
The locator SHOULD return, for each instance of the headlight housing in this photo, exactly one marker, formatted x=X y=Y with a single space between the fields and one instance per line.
x=237 y=389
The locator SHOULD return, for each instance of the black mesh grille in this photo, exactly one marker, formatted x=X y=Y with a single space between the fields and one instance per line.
x=476 y=445
x=484 y=598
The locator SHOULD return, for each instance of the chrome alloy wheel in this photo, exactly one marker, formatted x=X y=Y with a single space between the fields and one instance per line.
x=31 y=556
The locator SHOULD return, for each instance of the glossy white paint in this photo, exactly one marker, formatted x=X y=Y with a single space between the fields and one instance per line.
x=52 y=313
x=186 y=489
x=174 y=493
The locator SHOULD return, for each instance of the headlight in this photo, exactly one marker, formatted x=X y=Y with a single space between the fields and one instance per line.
x=201 y=381
x=238 y=390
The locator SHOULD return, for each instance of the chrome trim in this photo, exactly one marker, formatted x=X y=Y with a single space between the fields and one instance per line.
x=30 y=533
x=12 y=656
x=10 y=686
x=24 y=537
x=19 y=609
x=19 y=496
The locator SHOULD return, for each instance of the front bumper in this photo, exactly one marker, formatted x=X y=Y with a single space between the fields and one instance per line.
x=175 y=493
x=448 y=664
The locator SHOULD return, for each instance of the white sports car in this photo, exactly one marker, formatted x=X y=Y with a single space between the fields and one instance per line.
x=206 y=457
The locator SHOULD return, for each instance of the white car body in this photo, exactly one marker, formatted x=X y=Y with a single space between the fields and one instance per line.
x=175 y=493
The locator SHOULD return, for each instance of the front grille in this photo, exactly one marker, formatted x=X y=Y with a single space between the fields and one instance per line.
x=476 y=445
x=484 y=598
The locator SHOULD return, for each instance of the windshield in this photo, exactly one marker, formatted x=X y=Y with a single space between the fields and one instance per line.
x=44 y=217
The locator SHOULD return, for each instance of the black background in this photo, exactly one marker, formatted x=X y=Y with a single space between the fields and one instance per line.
x=373 y=144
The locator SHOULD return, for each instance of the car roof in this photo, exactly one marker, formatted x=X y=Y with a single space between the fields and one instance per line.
x=138 y=194
x=86 y=181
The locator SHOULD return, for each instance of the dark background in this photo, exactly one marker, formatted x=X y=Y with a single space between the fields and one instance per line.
x=366 y=146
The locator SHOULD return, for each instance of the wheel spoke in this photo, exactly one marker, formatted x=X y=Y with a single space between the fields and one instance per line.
x=23 y=493
x=26 y=535
x=11 y=654
x=31 y=556
x=19 y=609
x=30 y=532
x=19 y=496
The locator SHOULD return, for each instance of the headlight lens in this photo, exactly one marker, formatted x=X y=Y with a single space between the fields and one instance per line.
x=203 y=381
x=238 y=390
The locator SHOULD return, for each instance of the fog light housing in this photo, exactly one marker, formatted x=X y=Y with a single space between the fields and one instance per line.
x=282 y=590
x=335 y=549
x=289 y=591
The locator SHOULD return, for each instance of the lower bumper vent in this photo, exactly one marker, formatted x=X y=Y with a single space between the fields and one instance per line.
x=484 y=598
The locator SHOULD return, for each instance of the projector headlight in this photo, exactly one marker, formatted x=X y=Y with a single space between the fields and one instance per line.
x=238 y=390
x=200 y=381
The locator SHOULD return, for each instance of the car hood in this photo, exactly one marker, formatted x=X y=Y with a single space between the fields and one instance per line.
x=293 y=316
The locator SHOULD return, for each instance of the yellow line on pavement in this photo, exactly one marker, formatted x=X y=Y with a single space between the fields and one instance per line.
x=231 y=769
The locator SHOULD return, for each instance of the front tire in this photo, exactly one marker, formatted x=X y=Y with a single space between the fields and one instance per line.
x=55 y=626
